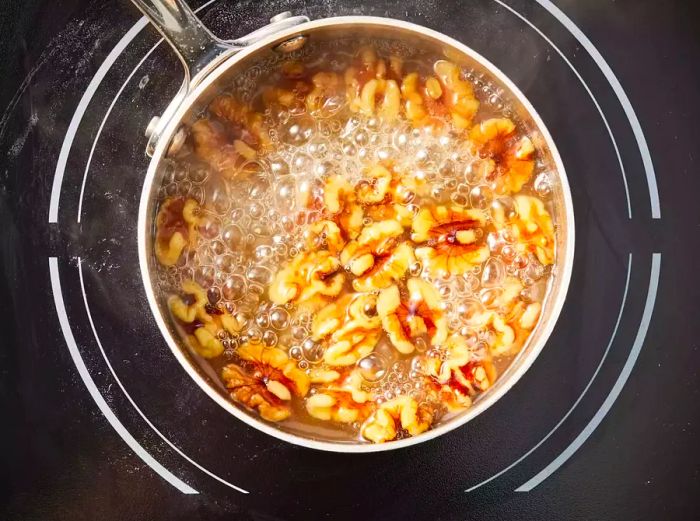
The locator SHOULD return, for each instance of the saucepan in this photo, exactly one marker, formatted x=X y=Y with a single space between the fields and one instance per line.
x=210 y=63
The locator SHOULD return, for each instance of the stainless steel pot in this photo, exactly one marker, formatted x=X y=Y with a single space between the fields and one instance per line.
x=209 y=62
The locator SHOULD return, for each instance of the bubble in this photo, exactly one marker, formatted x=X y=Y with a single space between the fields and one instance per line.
x=279 y=318
x=232 y=237
x=299 y=332
x=313 y=351
x=480 y=196
x=298 y=130
x=543 y=184
x=198 y=174
x=279 y=167
x=262 y=320
x=263 y=252
x=372 y=367
x=296 y=353
x=256 y=210
x=254 y=335
x=218 y=198
x=493 y=273
x=269 y=338
x=234 y=287
x=459 y=199
x=224 y=263
x=209 y=227
x=205 y=276
x=214 y=295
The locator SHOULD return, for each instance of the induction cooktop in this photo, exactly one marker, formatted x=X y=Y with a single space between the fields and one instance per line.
x=101 y=422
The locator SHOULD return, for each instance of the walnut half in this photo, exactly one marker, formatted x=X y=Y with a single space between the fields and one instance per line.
x=402 y=411
x=268 y=384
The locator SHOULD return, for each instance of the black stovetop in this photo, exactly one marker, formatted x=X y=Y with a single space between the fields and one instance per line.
x=102 y=423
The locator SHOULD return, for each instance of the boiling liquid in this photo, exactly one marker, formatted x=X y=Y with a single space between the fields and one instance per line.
x=255 y=225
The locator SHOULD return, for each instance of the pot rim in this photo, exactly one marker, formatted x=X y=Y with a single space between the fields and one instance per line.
x=564 y=267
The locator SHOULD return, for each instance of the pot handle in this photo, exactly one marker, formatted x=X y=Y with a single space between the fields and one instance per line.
x=197 y=48
x=200 y=51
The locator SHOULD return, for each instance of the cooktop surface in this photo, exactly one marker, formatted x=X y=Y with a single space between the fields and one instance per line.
x=101 y=421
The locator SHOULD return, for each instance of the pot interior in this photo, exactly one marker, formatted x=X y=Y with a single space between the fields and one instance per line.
x=242 y=75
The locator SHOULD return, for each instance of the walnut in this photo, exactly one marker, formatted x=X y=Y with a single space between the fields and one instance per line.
x=495 y=138
x=419 y=314
x=202 y=322
x=460 y=375
x=268 y=381
x=509 y=320
x=230 y=146
x=374 y=242
x=386 y=270
x=532 y=229
x=342 y=400
x=326 y=85
x=457 y=94
x=176 y=229
x=339 y=200
x=492 y=131
x=349 y=327
x=369 y=89
x=310 y=278
x=325 y=234
x=377 y=187
x=245 y=124
x=402 y=411
x=212 y=144
x=453 y=237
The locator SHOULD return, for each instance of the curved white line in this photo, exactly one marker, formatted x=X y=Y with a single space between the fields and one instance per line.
x=583 y=393
x=80 y=112
x=82 y=107
x=133 y=403
x=95 y=393
x=102 y=124
x=616 y=389
x=621 y=96
x=588 y=90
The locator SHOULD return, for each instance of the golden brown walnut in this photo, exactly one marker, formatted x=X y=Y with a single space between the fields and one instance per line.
x=268 y=381
x=349 y=327
x=453 y=238
x=339 y=200
x=514 y=163
x=459 y=375
x=374 y=242
x=402 y=411
x=326 y=85
x=372 y=88
x=212 y=145
x=325 y=234
x=508 y=319
x=245 y=124
x=532 y=229
x=418 y=314
x=457 y=94
x=310 y=278
x=386 y=270
x=202 y=322
x=176 y=229
x=341 y=400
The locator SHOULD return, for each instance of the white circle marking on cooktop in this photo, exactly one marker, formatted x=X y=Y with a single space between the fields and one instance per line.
x=580 y=397
x=95 y=392
x=617 y=387
x=131 y=400
x=621 y=96
x=646 y=158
